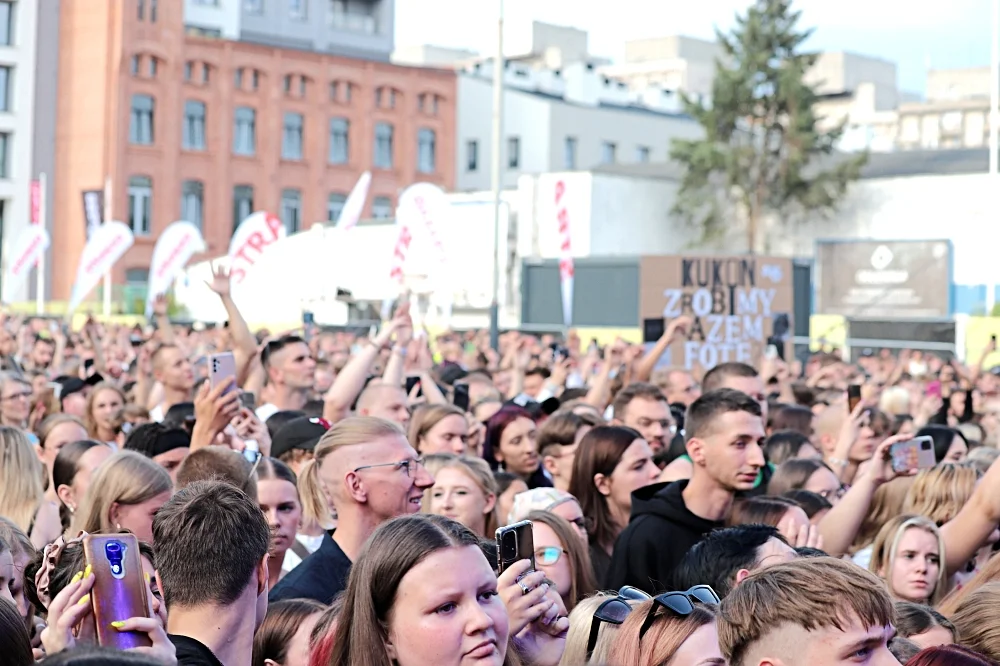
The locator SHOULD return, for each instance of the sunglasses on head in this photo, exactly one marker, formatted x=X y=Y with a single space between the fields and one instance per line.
x=613 y=611
x=680 y=604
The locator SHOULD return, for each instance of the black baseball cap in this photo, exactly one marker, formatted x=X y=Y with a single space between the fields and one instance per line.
x=301 y=433
x=71 y=385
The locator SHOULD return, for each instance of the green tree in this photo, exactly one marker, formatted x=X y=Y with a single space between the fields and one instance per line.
x=760 y=134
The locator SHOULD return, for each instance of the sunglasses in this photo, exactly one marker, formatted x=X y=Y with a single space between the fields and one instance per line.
x=613 y=611
x=680 y=604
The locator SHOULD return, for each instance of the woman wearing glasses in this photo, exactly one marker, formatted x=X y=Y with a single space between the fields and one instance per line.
x=15 y=400
x=562 y=557
x=676 y=628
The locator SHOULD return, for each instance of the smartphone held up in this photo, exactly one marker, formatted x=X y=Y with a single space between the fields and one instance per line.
x=912 y=455
x=515 y=542
x=120 y=591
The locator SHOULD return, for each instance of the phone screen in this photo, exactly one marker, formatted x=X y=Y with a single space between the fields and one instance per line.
x=653 y=329
x=853 y=396
x=412 y=382
x=461 y=398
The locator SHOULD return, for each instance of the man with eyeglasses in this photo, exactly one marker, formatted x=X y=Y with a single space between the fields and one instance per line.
x=371 y=474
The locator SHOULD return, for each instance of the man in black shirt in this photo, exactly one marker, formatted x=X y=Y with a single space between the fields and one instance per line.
x=372 y=474
x=724 y=430
x=211 y=556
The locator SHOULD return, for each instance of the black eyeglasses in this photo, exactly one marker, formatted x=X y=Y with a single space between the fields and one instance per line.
x=404 y=465
x=680 y=604
x=613 y=611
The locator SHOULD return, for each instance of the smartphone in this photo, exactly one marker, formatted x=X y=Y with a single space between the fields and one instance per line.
x=412 y=382
x=913 y=454
x=120 y=591
x=461 y=397
x=653 y=329
x=514 y=543
x=771 y=352
x=222 y=370
x=248 y=400
x=853 y=397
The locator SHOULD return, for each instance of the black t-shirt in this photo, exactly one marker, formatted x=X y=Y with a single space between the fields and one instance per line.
x=191 y=652
x=321 y=576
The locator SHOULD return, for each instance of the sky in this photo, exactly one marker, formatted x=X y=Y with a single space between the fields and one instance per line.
x=914 y=34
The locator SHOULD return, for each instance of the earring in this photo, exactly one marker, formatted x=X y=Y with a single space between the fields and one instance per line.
x=118 y=526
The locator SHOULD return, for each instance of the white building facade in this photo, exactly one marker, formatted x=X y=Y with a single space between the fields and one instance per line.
x=27 y=108
x=571 y=119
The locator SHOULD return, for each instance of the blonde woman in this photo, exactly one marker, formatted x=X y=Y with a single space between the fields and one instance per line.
x=439 y=429
x=581 y=624
x=975 y=620
x=908 y=554
x=125 y=493
x=55 y=432
x=940 y=493
x=103 y=404
x=463 y=490
x=21 y=489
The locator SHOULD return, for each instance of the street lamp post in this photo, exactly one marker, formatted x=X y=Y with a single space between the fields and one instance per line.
x=496 y=178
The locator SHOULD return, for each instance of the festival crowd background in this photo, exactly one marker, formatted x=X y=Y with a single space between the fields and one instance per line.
x=336 y=503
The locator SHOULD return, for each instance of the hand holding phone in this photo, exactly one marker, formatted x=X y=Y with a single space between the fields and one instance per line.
x=120 y=590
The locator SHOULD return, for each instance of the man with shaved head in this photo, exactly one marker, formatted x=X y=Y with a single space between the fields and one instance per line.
x=371 y=474
x=384 y=401
x=291 y=374
x=173 y=371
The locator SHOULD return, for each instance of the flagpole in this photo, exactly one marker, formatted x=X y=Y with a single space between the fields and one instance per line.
x=40 y=268
x=991 y=285
x=107 y=219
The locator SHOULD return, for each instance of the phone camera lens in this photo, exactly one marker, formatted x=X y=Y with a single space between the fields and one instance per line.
x=509 y=546
x=925 y=446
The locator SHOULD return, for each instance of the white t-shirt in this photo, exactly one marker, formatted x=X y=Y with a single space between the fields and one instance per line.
x=266 y=411
x=156 y=414
x=311 y=543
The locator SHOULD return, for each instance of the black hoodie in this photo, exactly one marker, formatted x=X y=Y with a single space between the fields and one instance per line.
x=660 y=532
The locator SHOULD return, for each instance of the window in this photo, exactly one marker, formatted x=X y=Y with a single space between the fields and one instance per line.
x=5 y=88
x=141 y=7
x=188 y=70
x=291 y=138
x=383 y=146
x=140 y=129
x=513 y=152
x=5 y=141
x=385 y=98
x=245 y=132
x=428 y=103
x=608 y=151
x=242 y=204
x=569 y=153
x=140 y=204
x=7 y=23
x=192 y=202
x=642 y=154
x=193 y=134
x=471 y=155
x=297 y=9
x=238 y=78
x=152 y=10
x=426 y=147
x=339 y=140
x=133 y=67
x=255 y=80
x=340 y=91
x=291 y=210
x=207 y=3
x=334 y=206
x=254 y=6
x=137 y=277
x=205 y=72
x=381 y=208
x=152 y=67
x=302 y=86
x=288 y=83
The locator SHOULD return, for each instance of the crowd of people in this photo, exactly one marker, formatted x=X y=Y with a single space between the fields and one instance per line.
x=335 y=500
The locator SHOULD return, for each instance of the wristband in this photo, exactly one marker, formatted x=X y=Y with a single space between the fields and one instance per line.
x=837 y=461
x=399 y=350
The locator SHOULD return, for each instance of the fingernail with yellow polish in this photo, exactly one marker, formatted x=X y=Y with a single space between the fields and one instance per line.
x=89 y=570
x=118 y=625
x=146 y=576
x=84 y=600
x=77 y=577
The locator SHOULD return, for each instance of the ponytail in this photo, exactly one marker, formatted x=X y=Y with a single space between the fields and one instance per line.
x=316 y=510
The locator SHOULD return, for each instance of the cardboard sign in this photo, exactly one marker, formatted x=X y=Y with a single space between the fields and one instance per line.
x=733 y=301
